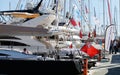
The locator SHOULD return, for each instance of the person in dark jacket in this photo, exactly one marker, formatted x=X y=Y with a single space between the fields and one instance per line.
x=115 y=46
x=25 y=51
x=111 y=48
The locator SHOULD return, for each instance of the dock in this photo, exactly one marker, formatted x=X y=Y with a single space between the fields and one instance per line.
x=111 y=67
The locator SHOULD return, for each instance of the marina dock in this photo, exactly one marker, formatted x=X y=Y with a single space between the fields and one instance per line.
x=112 y=67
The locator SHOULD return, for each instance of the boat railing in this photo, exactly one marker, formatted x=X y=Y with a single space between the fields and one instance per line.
x=33 y=49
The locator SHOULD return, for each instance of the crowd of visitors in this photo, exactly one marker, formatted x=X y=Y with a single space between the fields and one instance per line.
x=114 y=46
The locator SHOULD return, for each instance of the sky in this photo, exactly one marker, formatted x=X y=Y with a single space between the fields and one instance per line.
x=94 y=4
x=4 y=4
x=104 y=20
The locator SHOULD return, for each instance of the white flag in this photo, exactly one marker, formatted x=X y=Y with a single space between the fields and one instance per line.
x=109 y=35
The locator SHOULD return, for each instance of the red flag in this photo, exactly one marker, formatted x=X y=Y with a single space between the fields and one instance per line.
x=86 y=9
x=84 y=48
x=80 y=34
x=73 y=22
x=94 y=33
x=110 y=17
x=71 y=46
x=79 y=23
x=90 y=50
x=89 y=35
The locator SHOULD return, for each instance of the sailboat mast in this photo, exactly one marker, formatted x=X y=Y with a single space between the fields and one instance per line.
x=57 y=19
x=9 y=5
x=89 y=19
x=119 y=17
x=89 y=16
x=115 y=20
x=103 y=14
x=70 y=7
x=18 y=4
x=64 y=9
x=55 y=8
x=82 y=5
x=104 y=23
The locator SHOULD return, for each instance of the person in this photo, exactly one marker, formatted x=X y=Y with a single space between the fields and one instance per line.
x=111 y=47
x=115 y=46
x=25 y=51
x=118 y=46
x=71 y=55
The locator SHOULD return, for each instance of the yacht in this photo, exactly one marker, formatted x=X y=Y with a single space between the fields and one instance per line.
x=36 y=33
x=20 y=34
x=44 y=33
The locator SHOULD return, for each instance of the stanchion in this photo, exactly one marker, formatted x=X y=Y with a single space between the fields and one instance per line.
x=85 y=67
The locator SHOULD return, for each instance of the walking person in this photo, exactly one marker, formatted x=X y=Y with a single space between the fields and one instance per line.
x=118 y=45
x=111 y=47
x=115 y=46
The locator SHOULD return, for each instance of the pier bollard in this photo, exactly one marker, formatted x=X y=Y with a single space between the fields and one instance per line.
x=85 y=66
